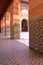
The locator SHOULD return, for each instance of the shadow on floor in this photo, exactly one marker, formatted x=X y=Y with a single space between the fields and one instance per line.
x=13 y=52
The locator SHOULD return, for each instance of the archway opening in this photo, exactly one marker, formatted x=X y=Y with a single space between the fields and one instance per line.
x=24 y=25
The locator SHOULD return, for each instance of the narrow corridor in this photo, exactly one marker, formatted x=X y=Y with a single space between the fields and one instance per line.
x=14 y=52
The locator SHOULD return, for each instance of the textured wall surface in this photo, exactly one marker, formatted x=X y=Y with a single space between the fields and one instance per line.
x=23 y=6
x=36 y=34
x=36 y=25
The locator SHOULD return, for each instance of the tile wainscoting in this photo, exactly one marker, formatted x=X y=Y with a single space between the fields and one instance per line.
x=36 y=34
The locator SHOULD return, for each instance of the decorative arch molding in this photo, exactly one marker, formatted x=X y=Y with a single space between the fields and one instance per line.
x=24 y=14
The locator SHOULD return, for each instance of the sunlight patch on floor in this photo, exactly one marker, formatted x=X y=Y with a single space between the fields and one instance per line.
x=24 y=38
x=24 y=41
x=24 y=35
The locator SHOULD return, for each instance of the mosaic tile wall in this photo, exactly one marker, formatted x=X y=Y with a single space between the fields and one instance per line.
x=16 y=30
x=36 y=34
x=8 y=31
x=3 y=30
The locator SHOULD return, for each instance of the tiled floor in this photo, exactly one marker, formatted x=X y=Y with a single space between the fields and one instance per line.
x=14 y=52
x=23 y=35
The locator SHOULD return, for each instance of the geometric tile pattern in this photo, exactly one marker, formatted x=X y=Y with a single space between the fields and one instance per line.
x=13 y=52
x=3 y=30
x=7 y=30
x=16 y=30
x=36 y=34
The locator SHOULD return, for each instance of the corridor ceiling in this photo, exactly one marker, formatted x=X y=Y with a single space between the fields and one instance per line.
x=4 y=4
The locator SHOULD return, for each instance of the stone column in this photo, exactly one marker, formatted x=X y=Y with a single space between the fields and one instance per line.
x=11 y=22
x=3 y=26
x=0 y=26
x=15 y=19
x=7 y=23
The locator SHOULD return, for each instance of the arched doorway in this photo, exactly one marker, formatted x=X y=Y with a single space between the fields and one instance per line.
x=24 y=25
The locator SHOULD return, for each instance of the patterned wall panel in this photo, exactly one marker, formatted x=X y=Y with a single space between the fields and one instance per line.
x=41 y=35
x=3 y=30
x=36 y=34
x=16 y=30
x=8 y=30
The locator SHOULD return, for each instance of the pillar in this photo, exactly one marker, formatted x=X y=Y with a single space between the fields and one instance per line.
x=5 y=22
x=15 y=19
x=7 y=18
x=3 y=26
x=0 y=26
